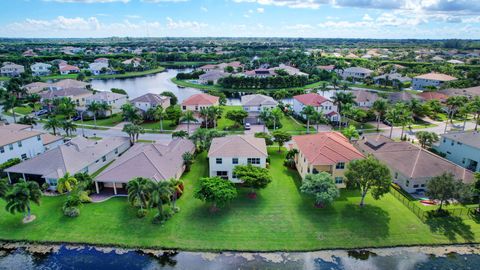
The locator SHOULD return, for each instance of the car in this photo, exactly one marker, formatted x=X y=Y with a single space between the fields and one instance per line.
x=41 y=112
x=76 y=118
x=247 y=126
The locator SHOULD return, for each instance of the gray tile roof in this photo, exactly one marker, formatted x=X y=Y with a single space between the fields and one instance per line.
x=238 y=146
x=471 y=138
x=11 y=134
x=152 y=99
x=257 y=100
x=65 y=92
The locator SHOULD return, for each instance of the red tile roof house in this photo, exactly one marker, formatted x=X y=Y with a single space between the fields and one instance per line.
x=198 y=101
x=67 y=69
x=324 y=152
x=320 y=103
x=433 y=95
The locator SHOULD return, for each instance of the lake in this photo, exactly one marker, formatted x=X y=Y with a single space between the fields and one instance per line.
x=86 y=257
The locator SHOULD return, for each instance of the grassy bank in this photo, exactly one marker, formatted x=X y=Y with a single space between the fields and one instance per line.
x=281 y=218
x=107 y=76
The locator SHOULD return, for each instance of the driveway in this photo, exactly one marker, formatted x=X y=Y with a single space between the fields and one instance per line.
x=255 y=129
x=184 y=127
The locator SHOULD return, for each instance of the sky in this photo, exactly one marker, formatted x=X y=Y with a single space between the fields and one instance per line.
x=422 y=19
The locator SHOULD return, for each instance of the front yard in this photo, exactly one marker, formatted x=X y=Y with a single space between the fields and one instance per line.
x=281 y=218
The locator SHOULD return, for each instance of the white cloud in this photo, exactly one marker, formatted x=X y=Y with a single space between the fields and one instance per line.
x=204 y=9
x=260 y=10
x=367 y=17
x=179 y=24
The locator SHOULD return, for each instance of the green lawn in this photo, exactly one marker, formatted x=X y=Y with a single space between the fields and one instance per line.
x=106 y=122
x=226 y=124
x=293 y=127
x=168 y=125
x=281 y=218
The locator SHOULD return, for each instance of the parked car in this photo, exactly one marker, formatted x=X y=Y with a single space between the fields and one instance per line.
x=41 y=112
x=247 y=126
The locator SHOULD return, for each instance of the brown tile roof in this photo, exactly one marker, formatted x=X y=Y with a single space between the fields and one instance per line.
x=433 y=95
x=68 y=68
x=238 y=146
x=436 y=76
x=48 y=138
x=200 y=99
x=326 y=148
x=64 y=92
x=469 y=92
x=9 y=135
x=311 y=99
x=410 y=160
x=365 y=96
x=69 y=83
x=257 y=100
x=327 y=68
x=153 y=99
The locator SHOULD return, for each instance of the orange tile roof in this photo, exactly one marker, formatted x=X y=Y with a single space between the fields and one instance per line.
x=433 y=95
x=326 y=148
x=311 y=99
x=200 y=99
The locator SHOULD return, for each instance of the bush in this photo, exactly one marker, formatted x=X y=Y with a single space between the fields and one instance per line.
x=71 y=211
x=167 y=214
x=45 y=187
x=84 y=198
x=141 y=213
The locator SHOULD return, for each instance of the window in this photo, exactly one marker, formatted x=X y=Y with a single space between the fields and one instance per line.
x=338 y=180
x=10 y=146
x=463 y=161
x=452 y=143
x=219 y=161
x=340 y=166
x=222 y=174
x=253 y=160
x=39 y=138
x=19 y=144
x=444 y=140
x=24 y=156
x=407 y=183
x=184 y=107
x=415 y=186
x=234 y=160
x=116 y=151
x=315 y=171
x=104 y=158
x=459 y=143
x=422 y=185
x=2 y=149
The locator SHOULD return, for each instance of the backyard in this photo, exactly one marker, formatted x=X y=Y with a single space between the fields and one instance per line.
x=281 y=218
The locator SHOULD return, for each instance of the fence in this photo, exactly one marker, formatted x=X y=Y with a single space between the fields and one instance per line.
x=461 y=212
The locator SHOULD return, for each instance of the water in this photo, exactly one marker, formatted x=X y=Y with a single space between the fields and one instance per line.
x=63 y=257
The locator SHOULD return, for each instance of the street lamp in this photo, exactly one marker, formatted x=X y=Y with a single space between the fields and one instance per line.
x=83 y=128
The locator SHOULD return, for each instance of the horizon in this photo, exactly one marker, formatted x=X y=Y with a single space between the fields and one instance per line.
x=325 y=19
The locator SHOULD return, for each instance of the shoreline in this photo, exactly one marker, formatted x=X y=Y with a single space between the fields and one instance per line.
x=107 y=77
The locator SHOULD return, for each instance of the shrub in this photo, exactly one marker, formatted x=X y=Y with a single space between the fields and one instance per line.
x=71 y=211
x=84 y=198
x=45 y=187
x=141 y=213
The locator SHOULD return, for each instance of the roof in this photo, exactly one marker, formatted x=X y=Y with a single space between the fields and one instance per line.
x=11 y=134
x=257 y=100
x=69 y=83
x=311 y=99
x=469 y=92
x=326 y=148
x=200 y=99
x=328 y=68
x=152 y=99
x=393 y=76
x=402 y=96
x=68 y=68
x=14 y=126
x=410 y=160
x=105 y=96
x=365 y=96
x=238 y=146
x=358 y=70
x=97 y=65
x=71 y=157
x=433 y=95
x=213 y=75
x=48 y=138
x=471 y=138
x=290 y=70
x=36 y=87
x=154 y=161
x=64 y=92
x=436 y=77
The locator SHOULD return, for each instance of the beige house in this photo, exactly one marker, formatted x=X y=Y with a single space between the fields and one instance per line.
x=150 y=100
x=324 y=152
x=198 y=101
x=77 y=95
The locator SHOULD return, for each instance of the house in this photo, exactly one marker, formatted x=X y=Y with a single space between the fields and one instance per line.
x=236 y=65
x=154 y=161
x=433 y=95
x=259 y=73
x=40 y=69
x=65 y=69
x=51 y=141
x=10 y=69
x=320 y=103
x=402 y=96
x=101 y=60
x=69 y=83
x=77 y=95
x=462 y=148
x=467 y=92
x=456 y=62
x=135 y=62
x=227 y=152
x=355 y=73
x=324 y=152
x=36 y=87
x=150 y=100
x=254 y=104
x=212 y=77
x=18 y=141
x=365 y=99
x=431 y=79
x=328 y=68
x=98 y=67
x=78 y=155
x=198 y=101
x=393 y=78
x=113 y=99
x=292 y=71
x=29 y=53
x=410 y=165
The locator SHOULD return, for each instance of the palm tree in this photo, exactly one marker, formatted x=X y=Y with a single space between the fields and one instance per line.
x=277 y=115
x=161 y=193
x=215 y=114
x=319 y=118
x=342 y=98
x=188 y=117
x=394 y=116
x=159 y=114
x=380 y=107
x=133 y=132
x=204 y=113
x=453 y=103
x=308 y=111
x=21 y=195
x=4 y=187
x=9 y=104
x=68 y=126
x=139 y=191
x=187 y=160
x=177 y=188
x=130 y=113
x=66 y=106
x=104 y=107
x=67 y=183
x=94 y=108
x=52 y=124
x=265 y=115
x=475 y=105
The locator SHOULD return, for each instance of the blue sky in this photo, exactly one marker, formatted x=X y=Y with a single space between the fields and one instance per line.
x=239 y=18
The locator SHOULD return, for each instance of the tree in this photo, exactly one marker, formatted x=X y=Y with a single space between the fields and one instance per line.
x=4 y=188
x=215 y=190
x=252 y=176
x=161 y=192
x=350 y=132
x=66 y=106
x=265 y=115
x=476 y=187
x=237 y=116
x=281 y=137
x=394 y=115
x=188 y=159
x=177 y=188
x=67 y=183
x=453 y=103
x=139 y=191
x=133 y=132
x=202 y=138
x=322 y=187
x=380 y=107
x=277 y=115
x=308 y=112
x=204 y=113
x=52 y=124
x=20 y=197
x=188 y=117
x=68 y=126
x=443 y=188
x=11 y=103
x=369 y=175
x=174 y=113
x=94 y=108
x=180 y=134
x=318 y=118
x=173 y=98
x=475 y=105
x=426 y=139
x=159 y=114
x=130 y=113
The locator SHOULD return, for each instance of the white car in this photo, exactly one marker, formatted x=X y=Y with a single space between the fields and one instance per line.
x=247 y=126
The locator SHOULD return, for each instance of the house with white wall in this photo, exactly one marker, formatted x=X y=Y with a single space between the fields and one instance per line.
x=114 y=100
x=40 y=69
x=10 y=69
x=227 y=152
x=150 y=100
x=355 y=73
x=431 y=79
x=319 y=103
x=18 y=141
x=462 y=148
x=254 y=104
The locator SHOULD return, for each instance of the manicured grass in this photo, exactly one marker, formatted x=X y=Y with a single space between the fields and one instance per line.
x=168 y=125
x=4 y=78
x=291 y=126
x=111 y=121
x=226 y=124
x=281 y=218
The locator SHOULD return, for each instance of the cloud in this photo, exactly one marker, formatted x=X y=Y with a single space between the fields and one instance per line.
x=260 y=10
x=164 y=1
x=172 y=24
x=204 y=9
x=87 y=1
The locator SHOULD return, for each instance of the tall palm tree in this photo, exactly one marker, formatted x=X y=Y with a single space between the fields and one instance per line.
x=393 y=115
x=104 y=107
x=68 y=126
x=66 y=106
x=380 y=107
x=204 y=113
x=188 y=117
x=161 y=193
x=4 y=187
x=453 y=103
x=342 y=98
x=319 y=118
x=67 y=183
x=265 y=115
x=94 y=108
x=159 y=115
x=277 y=115
x=52 y=124
x=475 y=105
x=215 y=114
x=130 y=113
x=308 y=111
x=133 y=132
x=139 y=191
x=20 y=197
x=9 y=104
